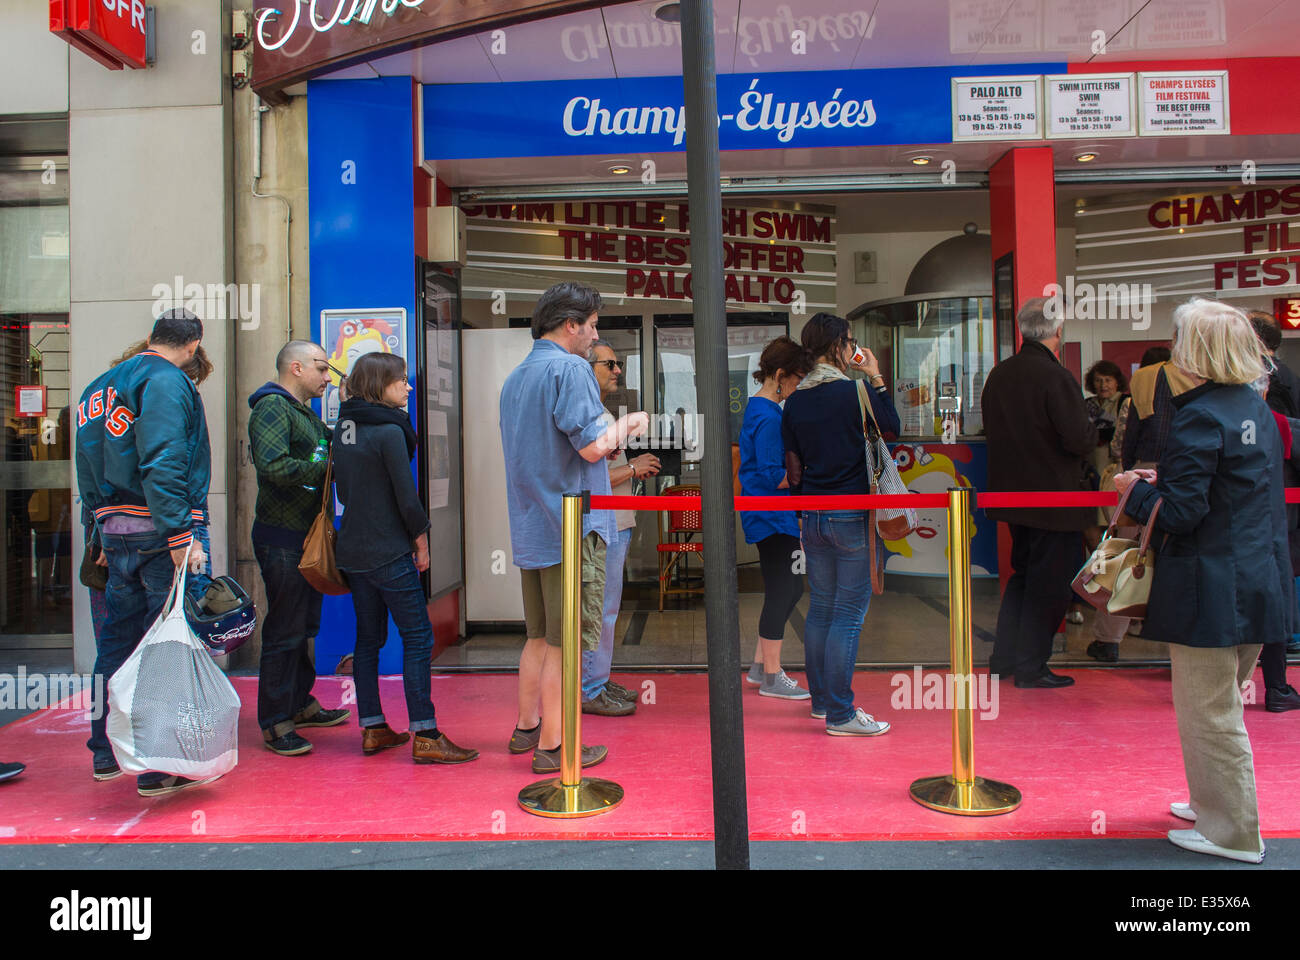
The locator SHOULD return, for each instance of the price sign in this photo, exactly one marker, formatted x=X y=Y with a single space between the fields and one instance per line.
x=997 y=108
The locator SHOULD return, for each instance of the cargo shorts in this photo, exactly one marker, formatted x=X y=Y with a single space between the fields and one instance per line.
x=544 y=598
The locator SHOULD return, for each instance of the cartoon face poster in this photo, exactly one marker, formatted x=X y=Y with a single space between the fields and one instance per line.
x=347 y=335
x=933 y=468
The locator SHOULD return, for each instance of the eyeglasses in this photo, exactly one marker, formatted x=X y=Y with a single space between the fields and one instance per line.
x=611 y=364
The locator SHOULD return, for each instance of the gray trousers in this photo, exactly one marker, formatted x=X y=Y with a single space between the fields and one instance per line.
x=1216 y=749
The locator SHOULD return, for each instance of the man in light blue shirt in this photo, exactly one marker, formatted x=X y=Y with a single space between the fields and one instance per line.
x=555 y=435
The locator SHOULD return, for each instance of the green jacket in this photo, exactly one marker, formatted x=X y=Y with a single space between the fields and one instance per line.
x=283 y=435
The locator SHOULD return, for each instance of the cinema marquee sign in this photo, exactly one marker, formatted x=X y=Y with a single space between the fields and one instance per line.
x=299 y=39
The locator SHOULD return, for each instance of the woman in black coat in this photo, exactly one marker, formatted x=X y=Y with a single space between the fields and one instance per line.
x=1222 y=576
x=383 y=545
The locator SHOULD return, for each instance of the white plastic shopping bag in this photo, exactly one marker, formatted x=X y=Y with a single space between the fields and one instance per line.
x=171 y=709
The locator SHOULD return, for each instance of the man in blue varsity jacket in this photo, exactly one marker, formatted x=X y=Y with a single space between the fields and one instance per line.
x=143 y=465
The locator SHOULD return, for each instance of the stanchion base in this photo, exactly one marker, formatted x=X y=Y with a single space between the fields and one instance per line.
x=551 y=798
x=979 y=798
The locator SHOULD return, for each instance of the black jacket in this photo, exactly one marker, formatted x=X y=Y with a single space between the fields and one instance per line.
x=382 y=513
x=1222 y=575
x=1038 y=434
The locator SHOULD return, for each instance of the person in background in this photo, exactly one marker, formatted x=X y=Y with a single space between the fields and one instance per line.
x=1283 y=397
x=600 y=694
x=1280 y=696
x=824 y=434
x=1038 y=434
x=289 y=445
x=143 y=467
x=1107 y=629
x=1107 y=386
x=781 y=367
x=382 y=546
x=555 y=436
x=1222 y=582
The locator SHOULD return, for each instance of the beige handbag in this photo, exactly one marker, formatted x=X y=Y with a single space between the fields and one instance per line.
x=1117 y=577
x=317 y=564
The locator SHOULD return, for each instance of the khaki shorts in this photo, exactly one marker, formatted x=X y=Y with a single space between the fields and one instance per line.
x=544 y=601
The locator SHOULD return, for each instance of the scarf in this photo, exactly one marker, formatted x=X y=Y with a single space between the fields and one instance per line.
x=363 y=411
x=822 y=373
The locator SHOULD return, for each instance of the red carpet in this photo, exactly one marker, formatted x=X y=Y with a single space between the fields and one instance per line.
x=1099 y=759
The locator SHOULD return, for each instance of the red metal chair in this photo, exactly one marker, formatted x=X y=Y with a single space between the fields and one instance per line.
x=677 y=530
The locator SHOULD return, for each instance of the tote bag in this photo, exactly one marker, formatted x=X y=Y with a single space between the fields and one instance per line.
x=893 y=523
x=171 y=709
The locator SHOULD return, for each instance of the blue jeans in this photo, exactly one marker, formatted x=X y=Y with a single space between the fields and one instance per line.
x=393 y=588
x=140 y=573
x=839 y=591
x=596 y=663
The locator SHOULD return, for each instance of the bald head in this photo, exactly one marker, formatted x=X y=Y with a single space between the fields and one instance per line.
x=301 y=368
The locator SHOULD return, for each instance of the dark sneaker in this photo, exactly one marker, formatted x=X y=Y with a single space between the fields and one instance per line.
x=108 y=770
x=606 y=706
x=620 y=692
x=523 y=741
x=10 y=770
x=171 y=785
x=1281 y=699
x=817 y=714
x=289 y=745
x=374 y=739
x=323 y=718
x=1101 y=650
x=548 y=761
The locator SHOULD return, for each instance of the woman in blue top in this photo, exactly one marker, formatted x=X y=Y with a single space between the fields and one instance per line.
x=762 y=474
x=823 y=431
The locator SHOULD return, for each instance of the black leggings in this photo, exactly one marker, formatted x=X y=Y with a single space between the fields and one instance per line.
x=782 y=587
x=1273 y=660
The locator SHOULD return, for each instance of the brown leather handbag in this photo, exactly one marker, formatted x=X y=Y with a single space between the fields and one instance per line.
x=317 y=564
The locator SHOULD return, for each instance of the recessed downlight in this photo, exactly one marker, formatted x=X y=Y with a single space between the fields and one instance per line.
x=669 y=12
x=1085 y=157
x=618 y=170
x=922 y=161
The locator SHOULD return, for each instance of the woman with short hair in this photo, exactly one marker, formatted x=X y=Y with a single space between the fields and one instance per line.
x=1221 y=579
x=382 y=547
x=824 y=431
x=781 y=367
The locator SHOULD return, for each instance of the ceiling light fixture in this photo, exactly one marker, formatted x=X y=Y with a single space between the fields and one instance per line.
x=669 y=12
x=920 y=161
x=619 y=170
x=1085 y=157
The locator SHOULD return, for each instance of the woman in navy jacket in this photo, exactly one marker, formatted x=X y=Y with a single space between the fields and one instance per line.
x=1222 y=575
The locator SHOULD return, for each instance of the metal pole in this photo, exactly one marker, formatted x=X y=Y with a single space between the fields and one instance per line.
x=571 y=794
x=703 y=175
x=962 y=793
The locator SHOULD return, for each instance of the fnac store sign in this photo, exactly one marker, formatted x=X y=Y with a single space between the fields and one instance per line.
x=111 y=32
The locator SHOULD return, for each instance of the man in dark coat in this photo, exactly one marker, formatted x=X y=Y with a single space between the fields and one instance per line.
x=1038 y=433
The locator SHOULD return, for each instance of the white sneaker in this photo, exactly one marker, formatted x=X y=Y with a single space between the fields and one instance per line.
x=818 y=714
x=1075 y=616
x=1193 y=841
x=861 y=724
x=1183 y=810
x=784 y=688
x=755 y=675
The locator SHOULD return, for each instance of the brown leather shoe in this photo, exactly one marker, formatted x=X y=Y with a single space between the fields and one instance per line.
x=374 y=739
x=525 y=741
x=548 y=761
x=441 y=750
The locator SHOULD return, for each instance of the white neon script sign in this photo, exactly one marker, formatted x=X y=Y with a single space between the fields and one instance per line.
x=360 y=10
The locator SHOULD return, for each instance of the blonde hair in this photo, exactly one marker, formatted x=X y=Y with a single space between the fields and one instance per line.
x=1216 y=342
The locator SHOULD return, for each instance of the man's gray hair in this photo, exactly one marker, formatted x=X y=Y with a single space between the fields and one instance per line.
x=1034 y=323
x=295 y=350
x=601 y=343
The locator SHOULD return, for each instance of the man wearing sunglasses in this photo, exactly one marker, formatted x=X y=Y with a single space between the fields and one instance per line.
x=601 y=695
x=289 y=445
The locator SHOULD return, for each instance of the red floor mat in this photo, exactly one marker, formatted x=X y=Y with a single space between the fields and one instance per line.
x=1098 y=759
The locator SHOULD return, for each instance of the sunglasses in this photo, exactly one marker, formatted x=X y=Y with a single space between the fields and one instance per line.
x=611 y=364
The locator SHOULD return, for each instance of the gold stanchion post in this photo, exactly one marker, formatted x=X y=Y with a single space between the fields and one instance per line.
x=963 y=793
x=571 y=794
